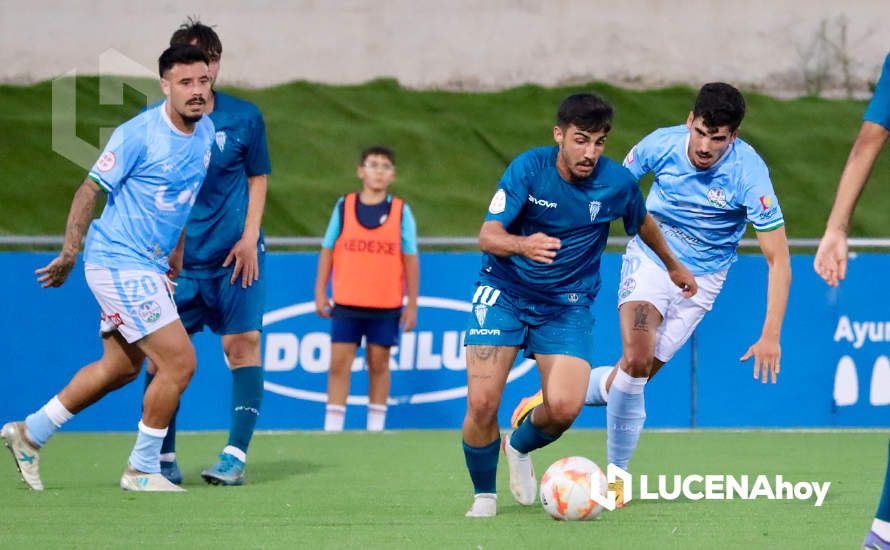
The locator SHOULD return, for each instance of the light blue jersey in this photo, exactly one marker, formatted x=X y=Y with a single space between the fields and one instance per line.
x=703 y=213
x=152 y=173
x=217 y=220
x=879 y=108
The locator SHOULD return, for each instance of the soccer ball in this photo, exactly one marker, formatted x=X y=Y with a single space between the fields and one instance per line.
x=566 y=488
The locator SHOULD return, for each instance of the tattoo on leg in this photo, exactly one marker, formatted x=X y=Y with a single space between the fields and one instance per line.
x=641 y=316
x=484 y=353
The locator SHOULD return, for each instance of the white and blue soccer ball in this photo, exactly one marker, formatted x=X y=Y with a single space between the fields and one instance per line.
x=567 y=486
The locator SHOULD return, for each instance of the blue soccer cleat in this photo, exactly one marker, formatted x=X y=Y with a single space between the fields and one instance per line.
x=171 y=471
x=874 y=542
x=228 y=471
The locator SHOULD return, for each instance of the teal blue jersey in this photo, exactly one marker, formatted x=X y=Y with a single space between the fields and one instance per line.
x=152 y=173
x=532 y=197
x=703 y=213
x=879 y=107
x=217 y=220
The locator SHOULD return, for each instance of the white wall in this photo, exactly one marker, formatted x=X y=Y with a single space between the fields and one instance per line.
x=465 y=44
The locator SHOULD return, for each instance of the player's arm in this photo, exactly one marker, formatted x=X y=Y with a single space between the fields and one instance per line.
x=56 y=272
x=412 y=288
x=325 y=262
x=244 y=253
x=494 y=239
x=679 y=274
x=831 y=257
x=766 y=351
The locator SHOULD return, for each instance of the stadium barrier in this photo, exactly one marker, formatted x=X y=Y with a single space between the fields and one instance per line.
x=835 y=366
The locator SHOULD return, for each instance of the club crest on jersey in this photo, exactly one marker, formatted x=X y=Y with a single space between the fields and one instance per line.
x=573 y=298
x=106 y=162
x=480 y=310
x=221 y=140
x=594 y=209
x=717 y=197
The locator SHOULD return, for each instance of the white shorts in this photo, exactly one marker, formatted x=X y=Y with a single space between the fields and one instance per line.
x=642 y=279
x=133 y=302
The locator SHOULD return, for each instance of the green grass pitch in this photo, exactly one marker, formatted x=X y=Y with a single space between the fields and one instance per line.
x=410 y=490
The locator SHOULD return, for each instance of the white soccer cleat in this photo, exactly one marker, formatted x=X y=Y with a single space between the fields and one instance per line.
x=523 y=484
x=485 y=505
x=140 y=481
x=26 y=455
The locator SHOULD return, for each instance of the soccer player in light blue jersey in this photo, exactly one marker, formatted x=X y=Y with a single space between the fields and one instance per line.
x=709 y=184
x=151 y=170
x=831 y=257
x=542 y=239
x=221 y=285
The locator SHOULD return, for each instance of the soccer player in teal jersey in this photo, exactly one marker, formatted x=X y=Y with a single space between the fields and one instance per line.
x=709 y=184
x=542 y=239
x=221 y=285
x=831 y=257
x=151 y=170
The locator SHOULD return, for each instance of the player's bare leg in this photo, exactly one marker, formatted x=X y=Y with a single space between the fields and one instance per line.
x=119 y=364
x=243 y=356
x=487 y=370
x=378 y=386
x=339 y=372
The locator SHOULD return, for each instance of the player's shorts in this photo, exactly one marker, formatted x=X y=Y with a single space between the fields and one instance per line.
x=382 y=331
x=499 y=319
x=223 y=307
x=134 y=302
x=643 y=280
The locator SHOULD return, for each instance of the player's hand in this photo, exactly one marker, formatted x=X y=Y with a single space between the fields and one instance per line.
x=247 y=264
x=408 y=320
x=175 y=263
x=540 y=247
x=56 y=272
x=767 y=354
x=831 y=257
x=323 y=306
x=684 y=279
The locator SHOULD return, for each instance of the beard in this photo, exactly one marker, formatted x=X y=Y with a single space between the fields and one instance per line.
x=189 y=119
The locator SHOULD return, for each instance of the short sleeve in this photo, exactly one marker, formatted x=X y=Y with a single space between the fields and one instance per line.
x=121 y=154
x=878 y=110
x=636 y=211
x=409 y=231
x=257 y=162
x=511 y=194
x=333 y=230
x=760 y=201
x=639 y=158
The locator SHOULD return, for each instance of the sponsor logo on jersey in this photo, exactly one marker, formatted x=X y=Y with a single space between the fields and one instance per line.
x=627 y=286
x=769 y=208
x=541 y=202
x=106 y=162
x=113 y=318
x=149 y=311
x=428 y=365
x=717 y=197
x=485 y=332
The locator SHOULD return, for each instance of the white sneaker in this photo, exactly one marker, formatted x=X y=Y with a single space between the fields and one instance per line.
x=26 y=455
x=523 y=484
x=140 y=481
x=485 y=505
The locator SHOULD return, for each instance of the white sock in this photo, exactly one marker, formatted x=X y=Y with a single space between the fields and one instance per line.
x=236 y=452
x=376 y=417
x=168 y=457
x=881 y=528
x=334 y=417
x=596 y=386
x=57 y=412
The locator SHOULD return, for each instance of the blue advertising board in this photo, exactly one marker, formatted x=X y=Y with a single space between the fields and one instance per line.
x=835 y=366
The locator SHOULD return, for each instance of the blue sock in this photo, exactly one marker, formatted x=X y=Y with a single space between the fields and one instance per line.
x=883 y=512
x=527 y=437
x=625 y=415
x=482 y=463
x=598 y=377
x=247 y=396
x=169 y=445
x=147 y=451
x=40 y=427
